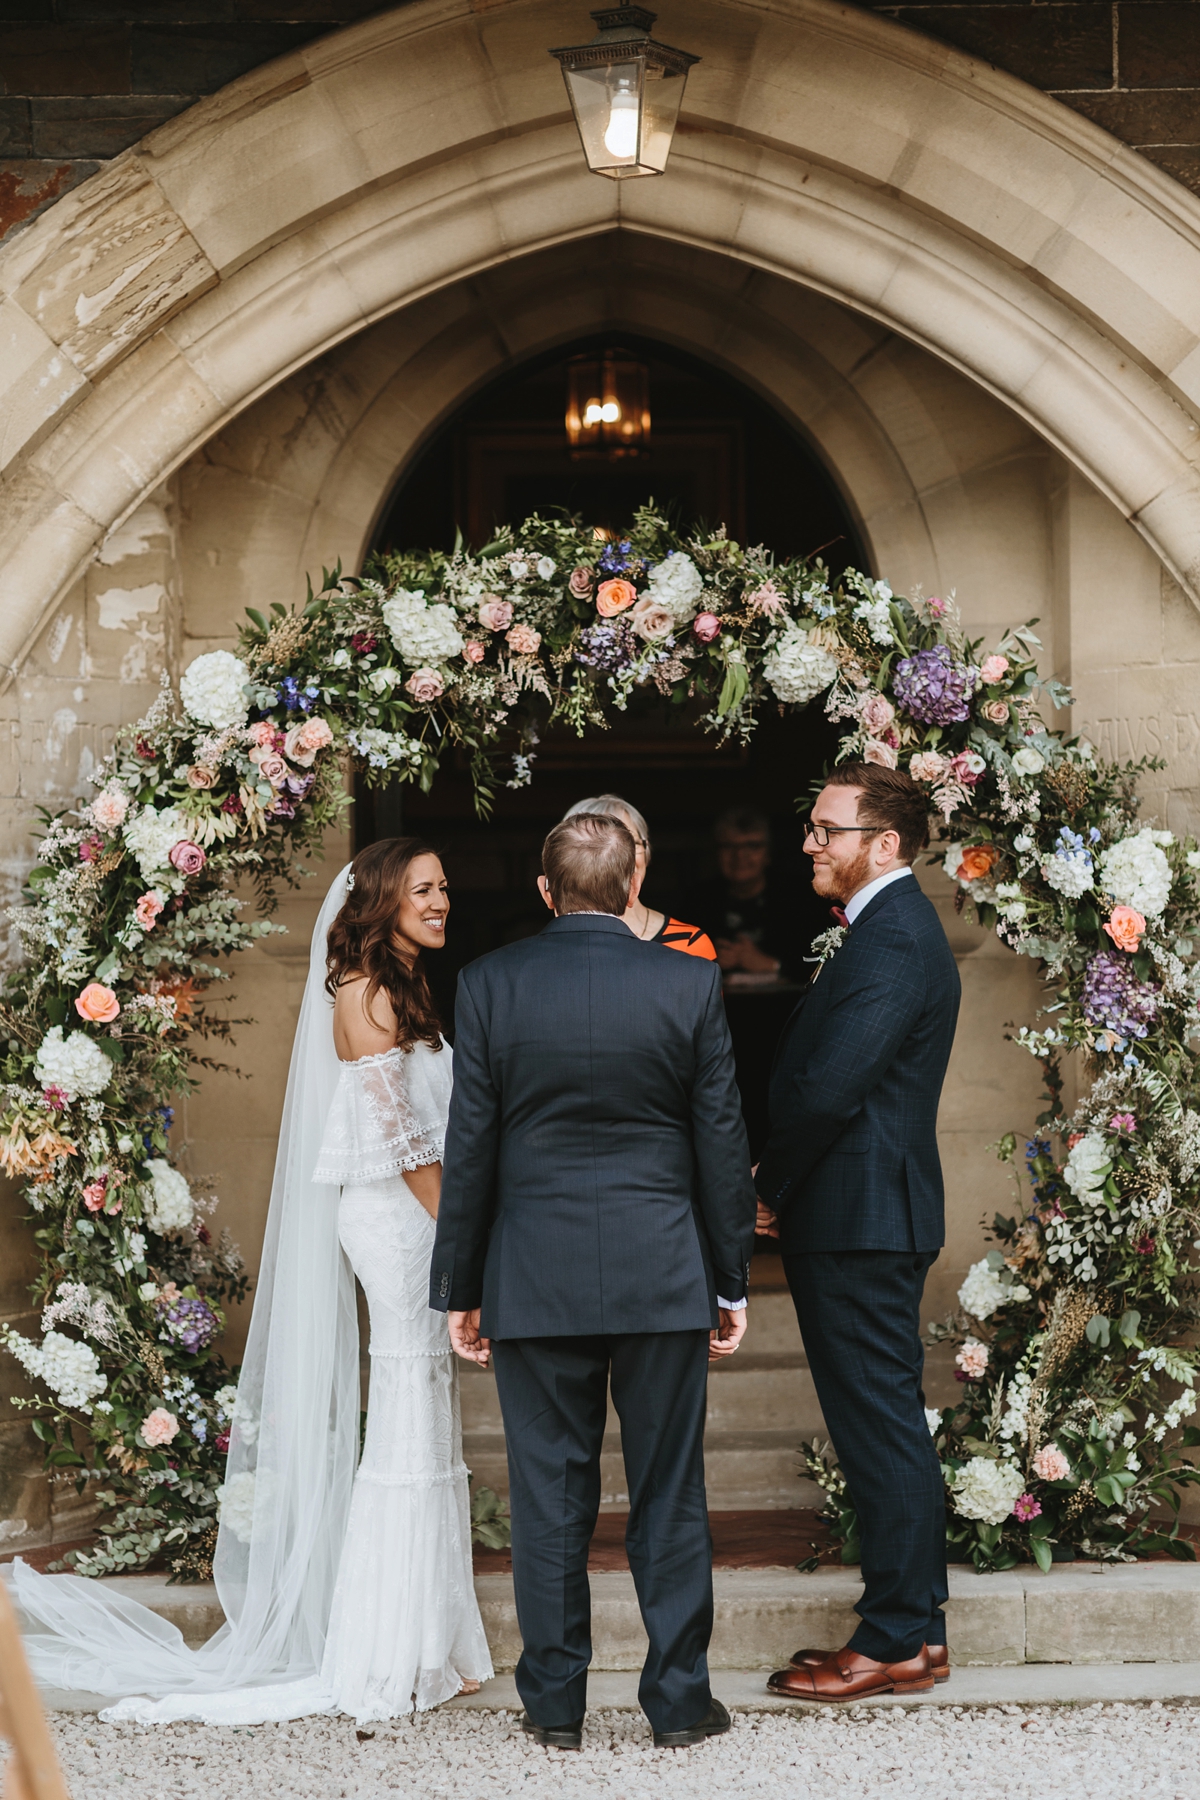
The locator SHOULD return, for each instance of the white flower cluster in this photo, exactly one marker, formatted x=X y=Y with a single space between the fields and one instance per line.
x=152 y=835
x=384 y=749
x=213 y=689
x=171 y=1206
x=71 y=1370
x=225 y=1399
x=75 y=1063
x=987 y=1489
x=1136 y=873
x=74 y=1305
x=423 y=635
x=1087 y=1165
x=985 y=1289
x=676 y=585
x=874 y=609
x=236 y=1501
x=796 y=669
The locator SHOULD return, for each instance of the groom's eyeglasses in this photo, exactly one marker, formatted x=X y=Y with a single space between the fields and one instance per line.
x=821 y=834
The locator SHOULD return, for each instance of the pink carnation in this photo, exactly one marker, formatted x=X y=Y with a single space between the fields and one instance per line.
x=262 y=735
x=425 y=686
x=159 y=1427
x=187 y=857
x=148 y=907
x=109 y=809
x=876 y=751
x=523 y=640
x=993 y=669
x=1050 y=1464
x=972 y=1359
x=495 y=613
x=1025 y=1507
x=927 y=765
x=315 y=734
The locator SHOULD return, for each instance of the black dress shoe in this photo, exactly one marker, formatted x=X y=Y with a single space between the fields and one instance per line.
x=715 y=1721
x=559 y=1737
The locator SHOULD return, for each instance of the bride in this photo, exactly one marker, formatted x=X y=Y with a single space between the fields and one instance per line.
x=344 y=1590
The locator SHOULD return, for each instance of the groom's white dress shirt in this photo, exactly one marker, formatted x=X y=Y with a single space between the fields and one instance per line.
x=866 y=894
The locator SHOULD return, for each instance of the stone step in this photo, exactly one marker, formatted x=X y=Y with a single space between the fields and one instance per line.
x=744 y=1470
x=1080 y=1613
x=772 y=1391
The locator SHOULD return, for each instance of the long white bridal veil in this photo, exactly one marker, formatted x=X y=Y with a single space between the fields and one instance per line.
x=292 y=1453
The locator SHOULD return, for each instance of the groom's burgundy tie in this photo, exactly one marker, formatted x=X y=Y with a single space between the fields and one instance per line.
x=838 y=914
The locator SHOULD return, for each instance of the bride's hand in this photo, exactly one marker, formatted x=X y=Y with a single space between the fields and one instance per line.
x=465 y=1340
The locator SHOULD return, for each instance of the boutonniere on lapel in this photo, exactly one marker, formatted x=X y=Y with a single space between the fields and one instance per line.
x=826 y=944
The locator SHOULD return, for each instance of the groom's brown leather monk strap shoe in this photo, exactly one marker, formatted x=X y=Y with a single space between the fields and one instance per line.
x=558 y=1737
x=845 y=1675
x=939 y=1660
x=715 y=1721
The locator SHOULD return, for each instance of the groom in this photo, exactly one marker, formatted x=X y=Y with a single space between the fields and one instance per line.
x=851 y=1183
x=595 y=1226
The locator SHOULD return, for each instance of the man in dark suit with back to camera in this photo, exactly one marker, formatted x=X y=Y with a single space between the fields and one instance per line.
x=596 y=1223
x=851 y=1182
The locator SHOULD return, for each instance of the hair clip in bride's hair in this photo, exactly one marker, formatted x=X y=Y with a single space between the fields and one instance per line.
x=350 y=881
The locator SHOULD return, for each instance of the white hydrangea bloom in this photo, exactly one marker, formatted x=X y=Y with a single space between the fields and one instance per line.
x=225 y=1399
x=796 y=669
x=423 y=635
x=152 y=834
x=70 y=1370
x=1087 y=1165
x=1136 y=873
x=1071 y=875
x=213 y=689
x=933 y=1419
x=984 y=1290
x=73 y=1062
x=987 y=1489
x=677 y=585
x=171 y=1206
x=236 y=1501
x=952 y=859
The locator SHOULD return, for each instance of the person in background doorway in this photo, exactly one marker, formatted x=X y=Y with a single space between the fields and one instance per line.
x=752 y=924
x=652 y=927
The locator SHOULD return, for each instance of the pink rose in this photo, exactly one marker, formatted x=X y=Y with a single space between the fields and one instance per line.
x=295 y=748
x=995 y=712
x=927 y=765
x=967 y=767
x=1124 y=927
x=706 y=627
x=97 y=1004
x=993 y=669
x=613 y=596
x=876 y=713
x=148 y=907
x=1050 y=1464
x=875 y=751
x=315 y=734
x=200 y=777
x=580 y=582
x=159 y=1427
x=766 y=599
x=495 y=613
x=187 y=857
x=474 y=651
x=94 y=1193
x=651 y=621
x=425 y=686
x=262 y=735
x=523 y=640
x=272 y=768
x=109 y=809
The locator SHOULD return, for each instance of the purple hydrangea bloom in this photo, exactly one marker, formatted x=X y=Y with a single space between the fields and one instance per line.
x=611 y=645
x=190 y=1323
x=932 y=687
x=1114 y=998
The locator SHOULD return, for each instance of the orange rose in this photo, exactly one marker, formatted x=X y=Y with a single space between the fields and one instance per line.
x=97 y=1004
x=614 y=596
x=1125 y=927
x=975 y=862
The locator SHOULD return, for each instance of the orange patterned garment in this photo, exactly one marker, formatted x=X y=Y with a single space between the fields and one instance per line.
x=688 y=938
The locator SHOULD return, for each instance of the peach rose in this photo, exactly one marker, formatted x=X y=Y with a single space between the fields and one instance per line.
x=148 y=907
x=580 y=582
x=315 y=734
x=187 y=857
x=474 y=651
x=975 y=862
x=1124 y=927
x=612 y=597
x=651 y=621
x=706 y=627
x=425 y=686
x=995 y=712
x=97 y=1004
x=495 y=613
x=159 y=1427
x=295 y=748
x=876 y=751
x=523 y=640
x=993 y=669
x=272 y=768
x=94 y=1194
x=109 y=809
x=876 y=713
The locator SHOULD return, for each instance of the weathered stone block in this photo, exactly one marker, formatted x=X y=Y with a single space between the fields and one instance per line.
x=1155 y=116
x=985 y=1618
x=16 y=134
x=1160 y=45
x=28 y=186
x=1050 y=46
x=1180 y=161
x=1089 y=1614
x=62 y=60
x=75 y=125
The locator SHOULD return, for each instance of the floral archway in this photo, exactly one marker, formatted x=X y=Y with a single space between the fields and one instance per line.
x=1076 y=1375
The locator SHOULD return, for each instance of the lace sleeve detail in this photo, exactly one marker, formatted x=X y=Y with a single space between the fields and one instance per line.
x=388 y=1115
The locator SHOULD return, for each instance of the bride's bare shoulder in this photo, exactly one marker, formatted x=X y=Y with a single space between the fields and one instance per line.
x=362 y=1027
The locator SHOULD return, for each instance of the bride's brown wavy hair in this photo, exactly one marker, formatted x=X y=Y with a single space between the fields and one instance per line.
x=360 y=940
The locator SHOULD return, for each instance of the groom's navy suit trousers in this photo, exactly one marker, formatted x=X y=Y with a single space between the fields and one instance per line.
x=596 y=1198
x=851 y=1168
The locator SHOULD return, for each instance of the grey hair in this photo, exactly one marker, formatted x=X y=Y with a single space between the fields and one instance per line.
x=611 y=806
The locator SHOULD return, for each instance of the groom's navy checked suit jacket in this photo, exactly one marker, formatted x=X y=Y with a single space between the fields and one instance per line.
x=852 y=1159
x=596 y=1178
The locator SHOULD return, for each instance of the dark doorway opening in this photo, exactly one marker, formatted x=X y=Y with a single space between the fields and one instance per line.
x=719 y=454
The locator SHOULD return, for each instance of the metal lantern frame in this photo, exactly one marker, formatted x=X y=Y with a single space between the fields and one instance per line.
x=610 y=379
x=625 y=90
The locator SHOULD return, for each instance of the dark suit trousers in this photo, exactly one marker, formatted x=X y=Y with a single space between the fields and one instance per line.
x=553 y=1394
x=859 y=1313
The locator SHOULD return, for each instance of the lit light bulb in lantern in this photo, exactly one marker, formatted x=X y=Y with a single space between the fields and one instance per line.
x=621 y=133
x=610 y=412
x=593 y=412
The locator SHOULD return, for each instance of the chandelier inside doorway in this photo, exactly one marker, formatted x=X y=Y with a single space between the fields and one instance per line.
x=608 y=405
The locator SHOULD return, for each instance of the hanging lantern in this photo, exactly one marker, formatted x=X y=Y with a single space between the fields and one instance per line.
x=608 y=404
x=626 y=90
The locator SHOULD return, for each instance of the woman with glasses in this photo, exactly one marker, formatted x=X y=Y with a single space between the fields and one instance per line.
x=652 y=927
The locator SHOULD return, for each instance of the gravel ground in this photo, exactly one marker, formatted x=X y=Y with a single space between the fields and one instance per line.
x=1010 y=1753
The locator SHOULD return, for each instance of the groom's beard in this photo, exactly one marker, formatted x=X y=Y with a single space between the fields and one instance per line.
x=841 y=881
